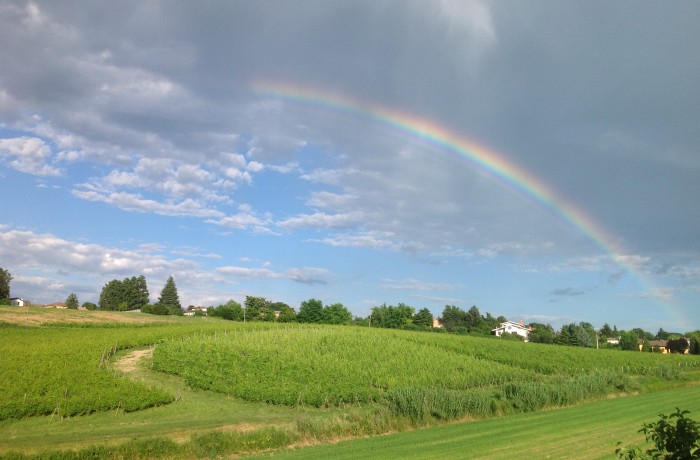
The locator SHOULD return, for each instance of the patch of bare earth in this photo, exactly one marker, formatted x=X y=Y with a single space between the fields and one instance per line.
x=129 y=362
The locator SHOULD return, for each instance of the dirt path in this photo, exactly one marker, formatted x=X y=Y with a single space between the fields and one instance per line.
x=129 y=362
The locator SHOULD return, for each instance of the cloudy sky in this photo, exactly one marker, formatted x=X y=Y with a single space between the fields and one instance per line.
x=272 y=148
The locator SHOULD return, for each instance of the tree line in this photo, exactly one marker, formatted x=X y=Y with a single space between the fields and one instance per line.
x=132 y=294
x=261 y=309
x=583 y=334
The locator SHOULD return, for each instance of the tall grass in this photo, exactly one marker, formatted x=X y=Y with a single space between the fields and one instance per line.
x=377 y=421
x=212 y=444
x=423 y=404
x=419 y=376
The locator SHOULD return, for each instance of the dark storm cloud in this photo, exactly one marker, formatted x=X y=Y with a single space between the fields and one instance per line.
x=600 y=100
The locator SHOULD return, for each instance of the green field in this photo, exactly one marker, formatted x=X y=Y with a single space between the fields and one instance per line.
x=589 y=431
x=123 y=385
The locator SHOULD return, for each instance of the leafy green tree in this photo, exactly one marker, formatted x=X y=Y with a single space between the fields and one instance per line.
x=646 y=346
x=258 y=309
x=287 y=313
x=642 y=334
x=473 y=319
x=360 y=321
x=310 y=311
x=585 y=335
x=489 y=323
x=694 y=338
x=568 y=335
x=336 y=314
x=606 y=332
x=675 y=437
x=168 y=297
x=629 y=341
x=541 y=333
x=89 y=306
x=423 y=318
x=231 y=310
x=453 y=318
x=135 y=292
x=111 y=295
x=127 y=294
x=5 y=280
x=72 y=301
x=392 y=317
x=662 y=335
x=577 y=335
x=678 y=345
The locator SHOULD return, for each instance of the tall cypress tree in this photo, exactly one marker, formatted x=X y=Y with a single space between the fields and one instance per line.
x=142 y=287
x=168 y=296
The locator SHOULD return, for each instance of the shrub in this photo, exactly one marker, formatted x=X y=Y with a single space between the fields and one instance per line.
x=675 y=437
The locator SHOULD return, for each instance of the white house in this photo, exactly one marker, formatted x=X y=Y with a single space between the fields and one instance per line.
x=192 y=310
x=17 y=302
x=509 y=327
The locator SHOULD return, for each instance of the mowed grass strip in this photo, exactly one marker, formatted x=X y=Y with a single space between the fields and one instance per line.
x=589 y=431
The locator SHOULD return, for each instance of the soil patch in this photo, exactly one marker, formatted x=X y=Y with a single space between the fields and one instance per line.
x=129 y=362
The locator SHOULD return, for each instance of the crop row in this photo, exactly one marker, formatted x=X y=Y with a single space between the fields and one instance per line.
x=548 y=360
x=65 y=371
x=325 y=366
x=322 y=366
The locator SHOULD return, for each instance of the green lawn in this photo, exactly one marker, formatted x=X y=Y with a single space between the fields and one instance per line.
x=589 y=431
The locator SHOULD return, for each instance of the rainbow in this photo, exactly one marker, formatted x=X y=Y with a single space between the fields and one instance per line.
x=478 y=155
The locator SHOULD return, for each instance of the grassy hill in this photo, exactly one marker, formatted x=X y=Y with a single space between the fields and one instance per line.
x=135 y=385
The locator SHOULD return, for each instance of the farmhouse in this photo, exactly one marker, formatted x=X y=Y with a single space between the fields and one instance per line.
x=659 y=346
x=509 y=327
x=17 y=302
x=192 y=311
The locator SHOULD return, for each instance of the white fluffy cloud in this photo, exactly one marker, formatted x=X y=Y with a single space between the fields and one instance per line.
x=46 y=268
x=49 y=252
x=29 y=155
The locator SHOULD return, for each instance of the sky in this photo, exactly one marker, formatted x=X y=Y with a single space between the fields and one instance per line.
x=538 y=160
